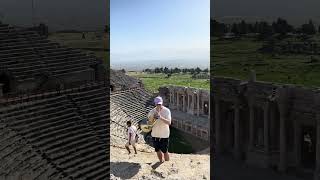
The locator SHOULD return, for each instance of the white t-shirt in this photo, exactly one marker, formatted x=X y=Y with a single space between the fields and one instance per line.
x=132 y=129
x=161 y=129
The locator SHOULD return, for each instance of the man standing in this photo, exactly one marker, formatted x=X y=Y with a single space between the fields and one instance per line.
x=160 y=131
x=132 y=133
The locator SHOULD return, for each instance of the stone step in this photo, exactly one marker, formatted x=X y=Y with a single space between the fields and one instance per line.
x=67 y=150
x=91 y=169
x=60 y=132
x=85 y=159
x=70 y=147
x=87 y=166
x=46 y=102
x=59 y=141
x=37 y=131
x=46 y=116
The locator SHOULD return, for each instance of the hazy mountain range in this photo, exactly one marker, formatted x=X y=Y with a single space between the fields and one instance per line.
x=140 y=65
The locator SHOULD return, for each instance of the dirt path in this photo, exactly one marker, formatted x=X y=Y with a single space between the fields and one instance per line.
x=144 y=165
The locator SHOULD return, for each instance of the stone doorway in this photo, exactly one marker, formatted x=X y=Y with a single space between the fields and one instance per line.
x=308 y=147
x=5 y=80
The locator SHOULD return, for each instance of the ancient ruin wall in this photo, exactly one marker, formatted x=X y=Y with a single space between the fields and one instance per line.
x=262 y=123
x=190 y=109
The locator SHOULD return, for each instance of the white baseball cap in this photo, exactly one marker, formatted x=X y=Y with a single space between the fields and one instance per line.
x=158 y=100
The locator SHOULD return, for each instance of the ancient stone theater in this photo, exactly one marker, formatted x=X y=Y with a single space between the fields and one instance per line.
x=190 y=109
x=266 y=124
x=53 y=109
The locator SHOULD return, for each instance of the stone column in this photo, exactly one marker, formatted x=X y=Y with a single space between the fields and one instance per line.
x=184 y=103
x=217 y=126
x=272 y=126
x=188 y=108
x=266 y=127
x=202 y=105
x=237 y=151
x=297 y=142
x=198 y=104
x=192 y=104
x=283 y=142
x=251 y=126
x=178 y=102
x=317 y=169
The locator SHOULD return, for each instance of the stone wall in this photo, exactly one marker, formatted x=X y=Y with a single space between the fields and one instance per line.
x=263 y=123
x=190 y=109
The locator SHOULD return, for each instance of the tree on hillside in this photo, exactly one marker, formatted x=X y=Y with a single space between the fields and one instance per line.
x=166 y=70
x=250 y=28
x=216 y=28
x=235 y=29
x=197 y=70
x=206 y=70
x=265 y=30
x=192 y=70
x=185 y=70
x=308 y=28
x=161 y=70
x=176 y=70
x=147 y=70
x=157 y=70
x=243 y=27
x=281 y=26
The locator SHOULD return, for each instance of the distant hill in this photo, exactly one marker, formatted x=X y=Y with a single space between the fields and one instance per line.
x=140 y=65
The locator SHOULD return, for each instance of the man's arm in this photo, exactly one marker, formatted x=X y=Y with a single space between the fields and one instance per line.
x=166 y=120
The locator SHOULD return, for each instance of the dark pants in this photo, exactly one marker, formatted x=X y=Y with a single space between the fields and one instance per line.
x=161 y=144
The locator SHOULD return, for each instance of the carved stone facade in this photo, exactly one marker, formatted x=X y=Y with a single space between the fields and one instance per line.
x=267 y=125
x=190 y=107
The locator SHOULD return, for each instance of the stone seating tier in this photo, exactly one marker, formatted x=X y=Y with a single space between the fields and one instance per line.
x=56 y=135
x=25 y=55
x=127 y=105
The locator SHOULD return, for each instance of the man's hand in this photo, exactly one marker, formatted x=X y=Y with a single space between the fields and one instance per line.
x=156 y=115
x=165 y=120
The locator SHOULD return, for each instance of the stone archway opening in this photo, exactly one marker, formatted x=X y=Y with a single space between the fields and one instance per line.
x=5 y=80
x=308 y=148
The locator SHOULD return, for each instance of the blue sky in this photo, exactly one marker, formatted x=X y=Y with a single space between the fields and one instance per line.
x=159 y=30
